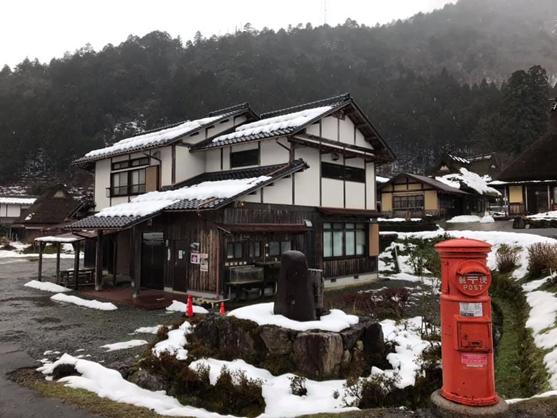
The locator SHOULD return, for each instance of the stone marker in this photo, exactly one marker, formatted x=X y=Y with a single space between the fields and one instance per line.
x=295 y=295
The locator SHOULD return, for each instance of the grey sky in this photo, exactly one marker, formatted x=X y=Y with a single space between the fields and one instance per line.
x=45 y=29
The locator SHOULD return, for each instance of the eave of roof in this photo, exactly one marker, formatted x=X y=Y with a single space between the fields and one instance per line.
x=440 y=186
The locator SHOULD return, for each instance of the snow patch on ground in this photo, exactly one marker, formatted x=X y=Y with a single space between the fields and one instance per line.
x=462 y=219
x=46 y=286
x=93 y=304
x=178 y=306
x=175 y=342
x=279 y=400
x=263 y=314
x=399 y=220
x=148 y=330
x=124 y=345
x=108 y=383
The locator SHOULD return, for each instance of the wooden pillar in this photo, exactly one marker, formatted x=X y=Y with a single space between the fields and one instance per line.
x=136 y=266
x=76 y=248
x=41 y=247
x=99 y=261
x=58 y=245
x=114 y=259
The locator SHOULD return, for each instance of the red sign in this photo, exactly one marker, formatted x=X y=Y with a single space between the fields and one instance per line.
x=474 y=359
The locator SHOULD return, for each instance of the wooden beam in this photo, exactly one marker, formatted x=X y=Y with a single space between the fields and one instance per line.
x=58 y=245
x=99 y=261
x=41 y=247
x=114 y=259
x=76 y=248
x=136 y=266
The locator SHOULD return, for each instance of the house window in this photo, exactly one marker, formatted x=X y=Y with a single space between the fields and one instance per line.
x=344 y=240
x=255 y=249
x=340 y=172
x=128 y=183
x=277 y=248
x=234 y=250
x=244 y=158
x=138 y=162
x=415 y=202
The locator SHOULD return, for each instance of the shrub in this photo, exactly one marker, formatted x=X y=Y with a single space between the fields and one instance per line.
x=542 y=258
x=507 y=258
x=298 y=385
x=376 y=391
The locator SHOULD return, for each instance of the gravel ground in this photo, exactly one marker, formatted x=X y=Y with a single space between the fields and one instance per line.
x=30 y=320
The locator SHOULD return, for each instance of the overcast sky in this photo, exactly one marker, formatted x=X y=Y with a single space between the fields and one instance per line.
x=48 y=28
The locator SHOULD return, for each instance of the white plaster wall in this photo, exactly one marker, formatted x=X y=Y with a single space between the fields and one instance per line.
x=351 y=280
x=120 y=158
x=256 y=197
x=120 y=199
x=188 y=164
x=313 y=129
x=14 y=211
x=3 y=210
x=355 y=162
x=371 y=186
x=346 y=130
x=102 y=182
x=212 y=160
x=272 y=153
x=307 y=182
x=327 y=158
x=355 y=195
x=360 y=140
x=280 y=193
x=332 y=192
x=166 y=166
x=329 y=128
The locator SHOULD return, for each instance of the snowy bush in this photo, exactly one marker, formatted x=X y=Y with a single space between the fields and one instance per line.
x=298 y=385
x=507 y=258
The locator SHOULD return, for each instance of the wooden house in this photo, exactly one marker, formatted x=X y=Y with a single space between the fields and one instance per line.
x=483 y=165
x=529 y=183
x=241 y=190
x=11 y=207
x=48 y=214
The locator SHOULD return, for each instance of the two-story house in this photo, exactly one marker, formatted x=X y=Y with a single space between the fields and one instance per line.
x=239 y=190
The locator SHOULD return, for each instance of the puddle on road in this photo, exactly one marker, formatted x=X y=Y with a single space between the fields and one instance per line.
x=38 y=300
x=47 y=320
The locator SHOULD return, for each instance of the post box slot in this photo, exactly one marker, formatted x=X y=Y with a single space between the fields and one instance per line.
x=474 y=336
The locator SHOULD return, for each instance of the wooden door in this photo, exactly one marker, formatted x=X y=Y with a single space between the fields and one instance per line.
x=181 y=264
x=152 y=260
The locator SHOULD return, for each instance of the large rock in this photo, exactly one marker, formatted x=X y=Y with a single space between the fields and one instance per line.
x=146 y=380
x=317 y=355
x=276 y=339
x=206 y=332
x=374 y=343
x=352 y=334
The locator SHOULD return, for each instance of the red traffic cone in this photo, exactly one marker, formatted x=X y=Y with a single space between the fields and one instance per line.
x=189 y=309
x=222 y=311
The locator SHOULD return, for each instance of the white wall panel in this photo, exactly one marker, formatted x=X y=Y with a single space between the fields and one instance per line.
x=355 y=195
x=329 y=128
x=280 y=193
x=188 y=164
x=212 y=160
x=102 y=182
x=371 y=186
x=346 y=130
x=307 y=182
x=166 y=166
x=332 y=192
x=272 y=153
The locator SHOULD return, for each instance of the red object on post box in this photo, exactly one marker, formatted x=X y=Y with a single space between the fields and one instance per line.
x=466 y=336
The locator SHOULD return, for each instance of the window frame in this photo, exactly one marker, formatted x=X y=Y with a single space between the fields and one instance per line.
x=130 y=188
x=126 y=164
x=402 y=202
x=355 y=229
x=343 y=172
x=236 y=164
x=235 y=245
x=281 y=245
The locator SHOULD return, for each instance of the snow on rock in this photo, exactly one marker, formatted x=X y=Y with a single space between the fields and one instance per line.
x=267 y=125
x=175 y=342
x=464 y=219
x=93 y=304
x=178 y=306
x=109 y=383
x=279 y=400
x=152 y=139
x=399 y=220
x=262 y=314
x=487 y=219
x=409 y=345
x=153 y=202
x=546 y=215
x=124 y=345
x=381 y=180
x=47 y=286
x=471 y=180
x=148 y=330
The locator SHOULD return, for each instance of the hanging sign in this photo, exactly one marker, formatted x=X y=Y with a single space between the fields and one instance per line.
x=194 y=258
x=204 y=262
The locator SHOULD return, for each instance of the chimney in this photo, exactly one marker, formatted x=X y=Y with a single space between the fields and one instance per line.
x=553 y=116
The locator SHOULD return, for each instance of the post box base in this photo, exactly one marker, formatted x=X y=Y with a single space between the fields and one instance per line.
x=443 y=408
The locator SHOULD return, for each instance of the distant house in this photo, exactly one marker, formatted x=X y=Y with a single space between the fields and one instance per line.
x=529 y=183
x=48 y=214
x=12 y=206
x=483 y=165
x=201 y=206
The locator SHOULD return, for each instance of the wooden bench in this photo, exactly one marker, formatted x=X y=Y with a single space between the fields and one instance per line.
x=87 y=274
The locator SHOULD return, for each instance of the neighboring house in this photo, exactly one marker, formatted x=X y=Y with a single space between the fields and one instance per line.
x=483 y=165
x=299 y=178
x=48 y=215
x=529 y=183
x=12 y=206
x=412 y=196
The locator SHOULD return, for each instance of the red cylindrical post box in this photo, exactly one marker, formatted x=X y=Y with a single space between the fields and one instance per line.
x=466 y=335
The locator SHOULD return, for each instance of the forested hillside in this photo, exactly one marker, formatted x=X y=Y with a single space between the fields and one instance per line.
x=473 y=77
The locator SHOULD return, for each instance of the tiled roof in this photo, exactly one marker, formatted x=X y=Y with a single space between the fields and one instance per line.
x=273 y=173
x=161 y=136
x=278 y=123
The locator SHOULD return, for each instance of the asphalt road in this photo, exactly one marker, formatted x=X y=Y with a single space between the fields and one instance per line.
x=502 y=226
x=30 y=324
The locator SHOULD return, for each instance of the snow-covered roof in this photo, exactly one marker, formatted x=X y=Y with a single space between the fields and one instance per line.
x=192 y=196
x=380 y=179
x=470 y=180
x=17 y=200
x=459 y=159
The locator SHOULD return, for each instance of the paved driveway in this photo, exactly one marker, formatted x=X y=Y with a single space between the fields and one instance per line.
x=30 y=324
